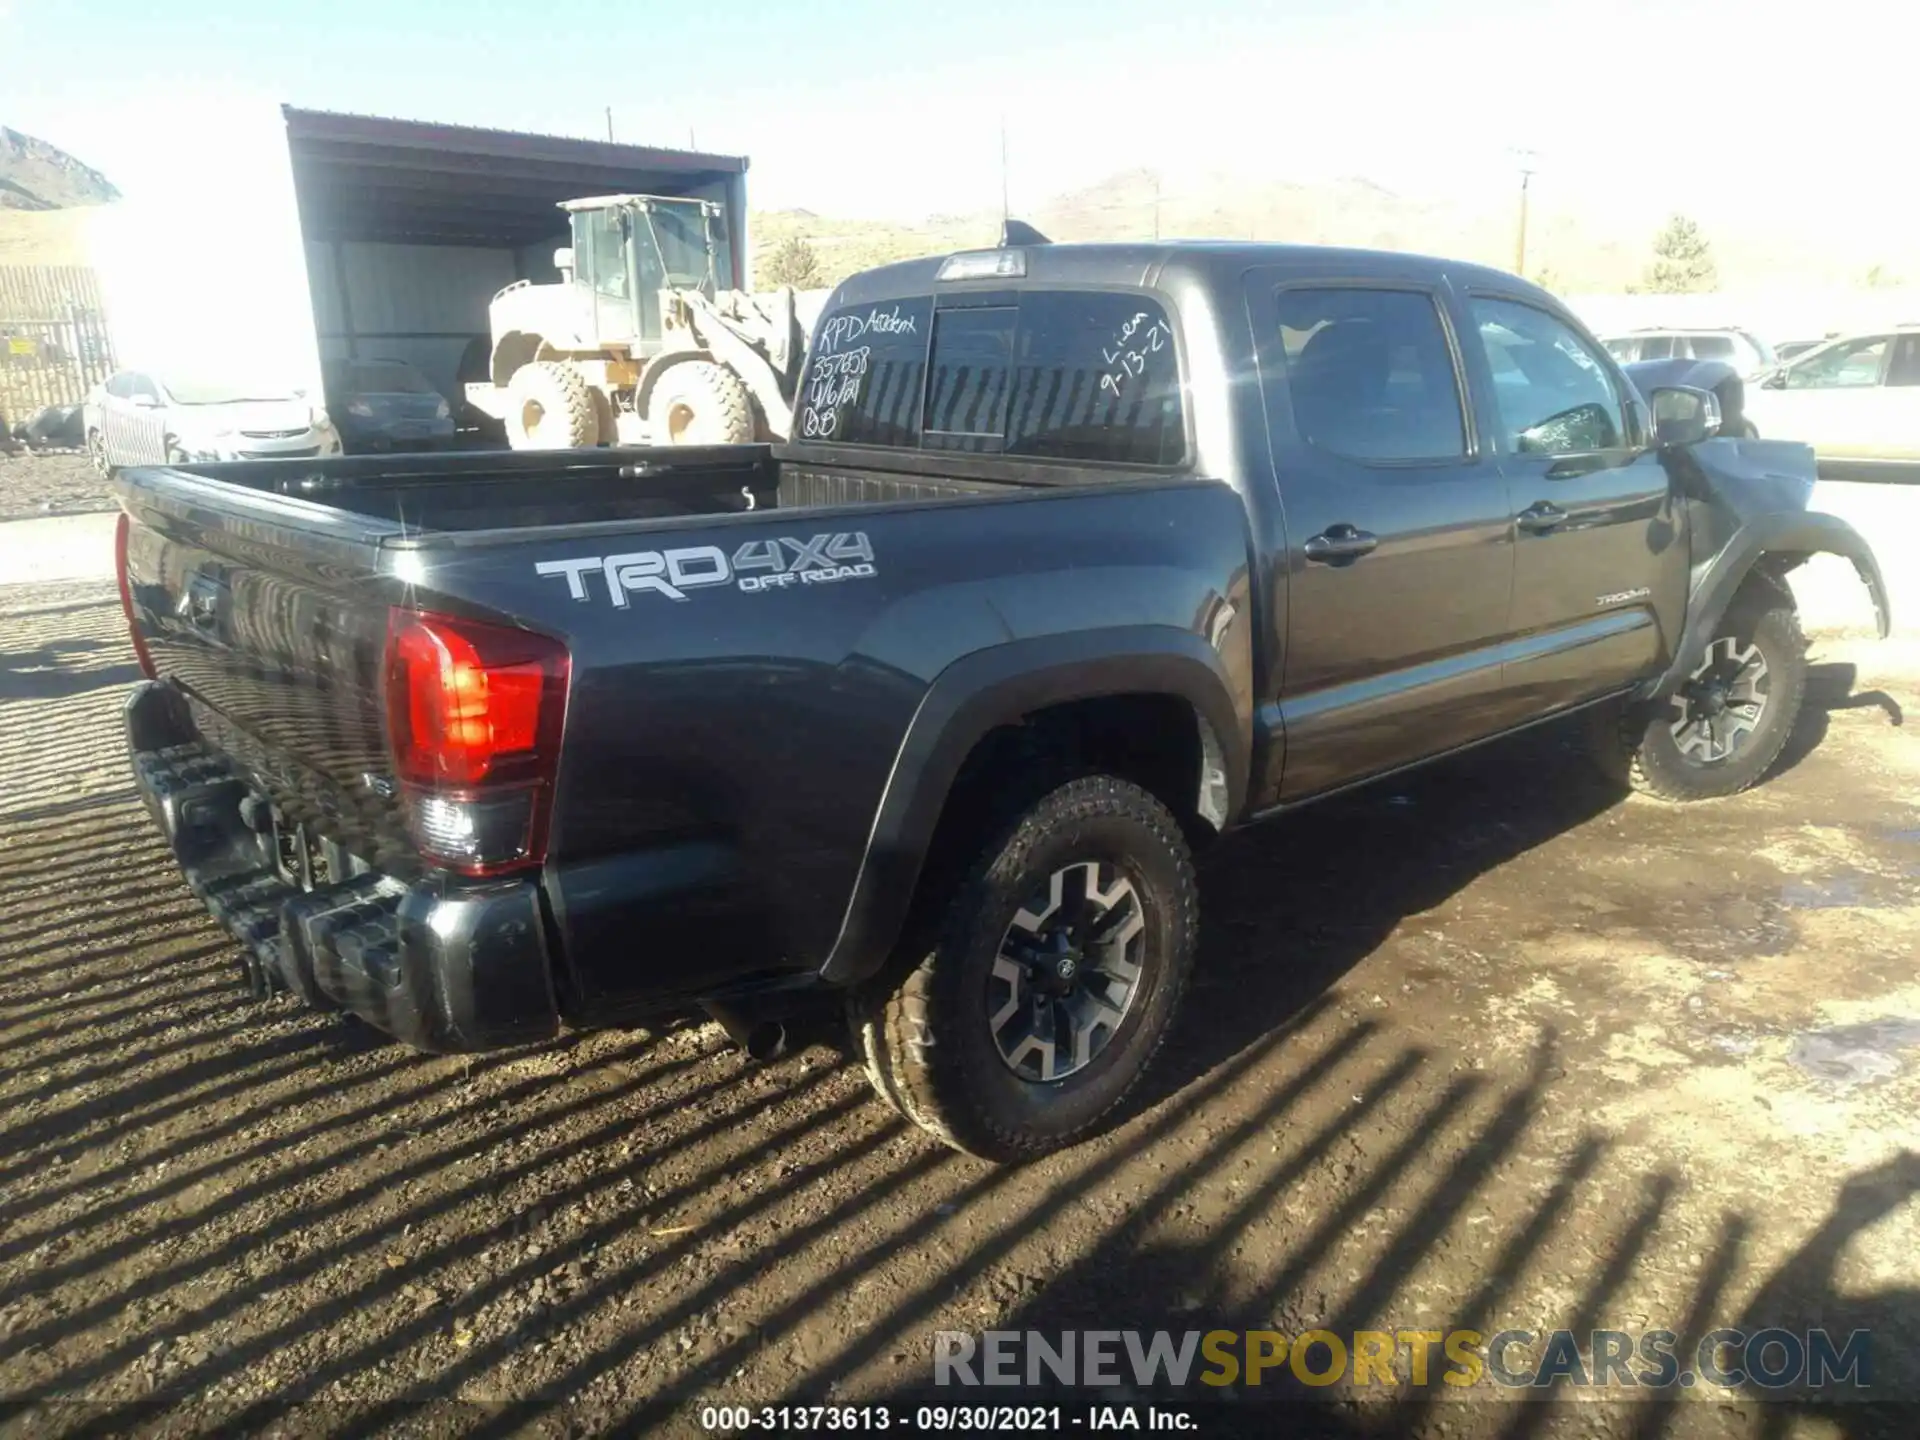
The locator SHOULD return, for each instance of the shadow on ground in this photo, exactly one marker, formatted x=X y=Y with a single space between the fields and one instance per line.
x=209 y=1212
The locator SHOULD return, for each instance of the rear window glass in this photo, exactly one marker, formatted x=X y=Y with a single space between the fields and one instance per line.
x=867 y=374
x=967 y=390
x=1066 y=375
x=1096 y=378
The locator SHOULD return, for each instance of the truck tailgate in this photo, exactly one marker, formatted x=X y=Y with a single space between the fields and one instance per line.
x=278 y=653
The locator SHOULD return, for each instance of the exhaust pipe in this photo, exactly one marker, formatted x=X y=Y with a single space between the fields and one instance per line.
x=762 y=1040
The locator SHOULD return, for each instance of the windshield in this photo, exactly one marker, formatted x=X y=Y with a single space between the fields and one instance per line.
x=682 y=232
x=223 y=392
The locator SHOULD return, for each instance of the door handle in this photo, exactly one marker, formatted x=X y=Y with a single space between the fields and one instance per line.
x=1540 y=517
x=1338 y=544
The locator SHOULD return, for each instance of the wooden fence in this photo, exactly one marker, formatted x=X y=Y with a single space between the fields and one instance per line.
x=53 y=338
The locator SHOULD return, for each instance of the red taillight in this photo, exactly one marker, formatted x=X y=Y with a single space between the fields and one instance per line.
x=120 y=529
x=474 y=712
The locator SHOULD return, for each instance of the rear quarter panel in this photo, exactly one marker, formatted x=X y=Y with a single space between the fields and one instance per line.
x=726 y=754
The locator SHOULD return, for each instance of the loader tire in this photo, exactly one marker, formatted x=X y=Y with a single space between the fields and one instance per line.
x=550 y=407
x=698 y=402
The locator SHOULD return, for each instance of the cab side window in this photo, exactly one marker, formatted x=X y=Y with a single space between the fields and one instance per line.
x=1554 y=394
x=1370 y=374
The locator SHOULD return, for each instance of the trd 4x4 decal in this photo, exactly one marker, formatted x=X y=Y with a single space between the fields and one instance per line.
x=757 y=565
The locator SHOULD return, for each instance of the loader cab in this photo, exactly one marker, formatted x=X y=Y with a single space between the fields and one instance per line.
x=628 y=248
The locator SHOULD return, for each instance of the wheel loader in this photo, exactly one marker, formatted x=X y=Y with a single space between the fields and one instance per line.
x=645 y=340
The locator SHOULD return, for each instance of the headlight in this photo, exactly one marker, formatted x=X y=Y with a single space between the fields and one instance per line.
x=320 y=420
x=442 y=411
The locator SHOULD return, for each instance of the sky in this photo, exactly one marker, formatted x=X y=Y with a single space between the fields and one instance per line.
x=893 y=109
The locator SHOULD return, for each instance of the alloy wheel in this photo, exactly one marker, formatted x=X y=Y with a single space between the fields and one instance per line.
x=1723 y=701
x=1068 y=971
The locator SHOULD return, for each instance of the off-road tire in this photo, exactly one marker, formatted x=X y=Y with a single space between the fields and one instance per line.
x=923 y=1024
x=1638 y=745
x=550 y=406
x=698 y=402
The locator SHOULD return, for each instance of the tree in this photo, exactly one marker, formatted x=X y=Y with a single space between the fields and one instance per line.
x=793 y=263
x=1682 y=261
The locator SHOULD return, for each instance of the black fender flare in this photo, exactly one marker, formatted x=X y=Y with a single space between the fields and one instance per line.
x=1788 y=537
x=993 y=687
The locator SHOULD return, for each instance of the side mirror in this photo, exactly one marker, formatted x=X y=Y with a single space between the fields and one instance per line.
x=1776 y=381
x=563 y=262
x=1683 y=415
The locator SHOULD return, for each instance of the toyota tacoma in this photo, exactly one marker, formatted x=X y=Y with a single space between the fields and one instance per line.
x=1079 y=557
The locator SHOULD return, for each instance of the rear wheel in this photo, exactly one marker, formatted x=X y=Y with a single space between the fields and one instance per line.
x=698 y=402
x=1725 y=725
x=550 y=407
x=1052 y=982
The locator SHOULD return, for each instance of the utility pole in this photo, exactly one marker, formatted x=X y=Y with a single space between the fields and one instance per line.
x=609 y=124
x=1004 y=210
x=1527 y=159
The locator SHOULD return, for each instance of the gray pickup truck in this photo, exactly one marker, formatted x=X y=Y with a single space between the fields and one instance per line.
x=1082 y=556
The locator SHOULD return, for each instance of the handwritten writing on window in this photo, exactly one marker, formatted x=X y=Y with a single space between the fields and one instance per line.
x=839 y=365
x=832 y=381
x=1126 y=354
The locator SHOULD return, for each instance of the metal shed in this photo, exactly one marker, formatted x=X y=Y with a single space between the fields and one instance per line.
x=411 y=227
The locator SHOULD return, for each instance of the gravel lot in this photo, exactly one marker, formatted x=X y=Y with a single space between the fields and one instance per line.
x=1492 y=1048
x=54 y=483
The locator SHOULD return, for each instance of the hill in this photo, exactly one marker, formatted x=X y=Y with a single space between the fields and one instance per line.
x=1574 y=245
x=37 y=176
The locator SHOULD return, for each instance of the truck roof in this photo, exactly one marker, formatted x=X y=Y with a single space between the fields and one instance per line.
x=1155 y=264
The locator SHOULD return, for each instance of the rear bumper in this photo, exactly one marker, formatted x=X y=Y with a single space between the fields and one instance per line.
x=442 y=968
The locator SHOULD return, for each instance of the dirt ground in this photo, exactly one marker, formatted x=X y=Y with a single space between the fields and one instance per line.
x=50 y=483
x=1492 y=1048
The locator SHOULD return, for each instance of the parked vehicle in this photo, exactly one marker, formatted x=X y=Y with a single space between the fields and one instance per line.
x=1088 y=554
x=1856 y=398
x=644 y=339
x=386 y=405
x=1746 y=352
x=1792 y=349
x=138 y=418
x=54 y=427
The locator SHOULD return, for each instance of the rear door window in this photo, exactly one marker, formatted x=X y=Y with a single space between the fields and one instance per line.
x=1089 y=376
x=1905 y=369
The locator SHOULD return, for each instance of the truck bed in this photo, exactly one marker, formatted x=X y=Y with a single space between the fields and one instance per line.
x=471 y=491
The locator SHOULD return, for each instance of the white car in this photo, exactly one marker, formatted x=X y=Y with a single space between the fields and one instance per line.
x=1742 y=349
x=1855 y=398
x=137 y=418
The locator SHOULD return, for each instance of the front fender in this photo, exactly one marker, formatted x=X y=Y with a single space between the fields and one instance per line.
x=994 y=687
x=1771 y=544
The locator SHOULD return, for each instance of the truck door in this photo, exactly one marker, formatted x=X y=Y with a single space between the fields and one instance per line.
x=1399 y=561
x=600 y=251
x=1600 y=560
